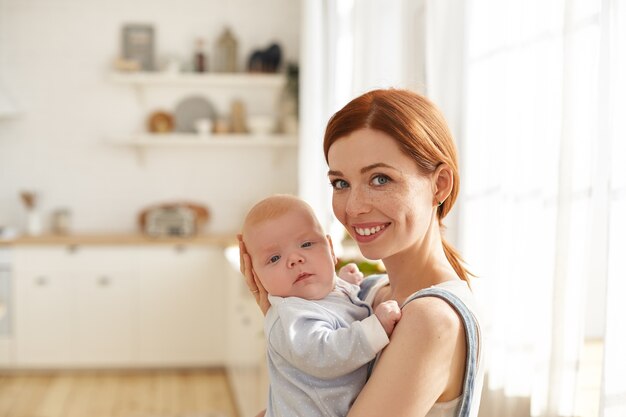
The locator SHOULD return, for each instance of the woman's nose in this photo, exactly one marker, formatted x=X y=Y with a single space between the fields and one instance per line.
x=357 y=203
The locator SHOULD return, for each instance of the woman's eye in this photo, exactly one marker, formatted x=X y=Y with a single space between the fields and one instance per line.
x=307 y=244
x=274 y=259
x=380 y=180
x=339 y=184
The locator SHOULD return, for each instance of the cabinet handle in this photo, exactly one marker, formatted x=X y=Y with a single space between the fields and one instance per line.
x=41 y=281
x=104 y=281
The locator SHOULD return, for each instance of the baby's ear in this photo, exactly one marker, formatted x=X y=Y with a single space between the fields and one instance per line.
x=332 y=251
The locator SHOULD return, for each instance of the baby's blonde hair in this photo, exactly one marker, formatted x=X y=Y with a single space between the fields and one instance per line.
x=275 y=206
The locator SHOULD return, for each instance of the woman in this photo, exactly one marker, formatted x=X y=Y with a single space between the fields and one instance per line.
x=393 y=168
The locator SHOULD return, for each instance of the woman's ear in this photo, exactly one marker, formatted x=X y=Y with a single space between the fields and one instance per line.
x=443 y=181
x=332 y=251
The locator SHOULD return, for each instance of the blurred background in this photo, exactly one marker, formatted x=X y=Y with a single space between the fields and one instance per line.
x=135 y=135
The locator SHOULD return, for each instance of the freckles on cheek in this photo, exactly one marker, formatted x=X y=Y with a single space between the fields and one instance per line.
x=339 y=208
x=395 y=195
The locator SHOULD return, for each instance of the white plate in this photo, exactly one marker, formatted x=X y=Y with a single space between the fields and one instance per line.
x=191 y=109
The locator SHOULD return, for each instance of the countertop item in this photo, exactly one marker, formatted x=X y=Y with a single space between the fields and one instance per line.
x=224 y=240
x=183 y=219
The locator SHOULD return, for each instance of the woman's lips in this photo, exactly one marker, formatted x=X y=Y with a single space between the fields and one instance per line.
x=368 y=232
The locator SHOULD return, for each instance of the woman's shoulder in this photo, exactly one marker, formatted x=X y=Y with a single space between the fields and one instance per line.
x=456 y=293
x=431 y=317
x=436 y=309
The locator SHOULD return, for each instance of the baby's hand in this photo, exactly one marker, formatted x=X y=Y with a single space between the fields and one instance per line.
x=350 y=273
x=388 y=314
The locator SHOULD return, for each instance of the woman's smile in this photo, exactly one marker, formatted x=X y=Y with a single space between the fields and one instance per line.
x=366 y=232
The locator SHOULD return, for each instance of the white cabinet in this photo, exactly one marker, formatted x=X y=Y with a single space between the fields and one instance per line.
x=105 y=332
x=247 y=365
x=43 y=314
x=181 y=306
x=6 y=308
x=121 y=305
x=74 y=306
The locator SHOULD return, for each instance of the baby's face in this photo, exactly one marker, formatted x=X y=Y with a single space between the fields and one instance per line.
x=291 y=256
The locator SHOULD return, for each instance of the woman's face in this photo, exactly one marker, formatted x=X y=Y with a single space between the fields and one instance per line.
x=379 y=195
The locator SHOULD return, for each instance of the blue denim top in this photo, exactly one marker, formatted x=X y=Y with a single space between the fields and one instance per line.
x=471 y=335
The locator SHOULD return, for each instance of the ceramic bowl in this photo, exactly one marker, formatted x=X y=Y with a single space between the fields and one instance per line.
x=261 y=125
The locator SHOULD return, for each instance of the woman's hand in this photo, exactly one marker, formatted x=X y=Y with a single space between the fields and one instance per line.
x=252 y=281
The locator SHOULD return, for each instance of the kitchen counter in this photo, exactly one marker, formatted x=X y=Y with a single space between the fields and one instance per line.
x=224 y=240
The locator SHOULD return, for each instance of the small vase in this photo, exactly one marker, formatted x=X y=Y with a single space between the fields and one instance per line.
x=33 y=223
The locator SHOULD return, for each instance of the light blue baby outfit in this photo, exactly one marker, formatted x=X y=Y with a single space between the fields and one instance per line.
x=318 y=352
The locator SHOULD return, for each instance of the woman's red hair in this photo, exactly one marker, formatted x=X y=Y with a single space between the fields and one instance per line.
x=420 y=129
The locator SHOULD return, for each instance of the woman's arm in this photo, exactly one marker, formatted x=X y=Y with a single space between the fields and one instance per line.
x=424 y=363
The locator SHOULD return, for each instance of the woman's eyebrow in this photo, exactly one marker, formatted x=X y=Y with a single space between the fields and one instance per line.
x=364 y=169
x=376 y=165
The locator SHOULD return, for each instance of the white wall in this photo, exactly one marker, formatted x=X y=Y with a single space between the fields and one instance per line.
x=54 y=57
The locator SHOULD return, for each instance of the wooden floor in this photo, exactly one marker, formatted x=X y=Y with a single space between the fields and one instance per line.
x=116 y=394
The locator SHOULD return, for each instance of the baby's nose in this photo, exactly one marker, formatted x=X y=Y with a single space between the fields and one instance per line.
x=295 y=259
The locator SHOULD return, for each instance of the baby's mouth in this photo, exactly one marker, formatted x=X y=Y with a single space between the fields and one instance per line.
x=302 y=276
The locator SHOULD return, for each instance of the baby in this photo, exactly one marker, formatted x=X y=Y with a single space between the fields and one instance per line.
x=320 y=336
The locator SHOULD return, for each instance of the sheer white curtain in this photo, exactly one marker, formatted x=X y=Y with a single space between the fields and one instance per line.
x=535 y=93
x=347 y=48
x=614 y=91
x=542 y=174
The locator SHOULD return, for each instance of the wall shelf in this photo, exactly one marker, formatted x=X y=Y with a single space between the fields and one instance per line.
x=231 y=84
x=240 y=79
x=142 y=140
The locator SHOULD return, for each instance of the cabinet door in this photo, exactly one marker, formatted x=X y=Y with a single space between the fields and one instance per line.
x=106 y=322
x=181 y=306
x=43 y=314
x=106 y=296
x=246 y=339
x=6 y=312
x=247 y=366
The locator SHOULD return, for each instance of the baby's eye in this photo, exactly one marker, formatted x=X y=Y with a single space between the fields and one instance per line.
x=307 y=244
x=274 y=259
x=339 y=184
x=380 y=179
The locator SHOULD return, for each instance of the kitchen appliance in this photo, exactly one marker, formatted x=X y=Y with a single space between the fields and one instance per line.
x=170 y=221
x=173 y=219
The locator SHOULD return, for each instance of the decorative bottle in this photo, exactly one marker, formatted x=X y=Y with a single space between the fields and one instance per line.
x=199 y=58
x=226 y=52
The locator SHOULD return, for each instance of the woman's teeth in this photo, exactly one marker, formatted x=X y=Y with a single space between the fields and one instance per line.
x=369 y=231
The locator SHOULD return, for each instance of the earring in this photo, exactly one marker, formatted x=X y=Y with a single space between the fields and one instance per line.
x=439 y=203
